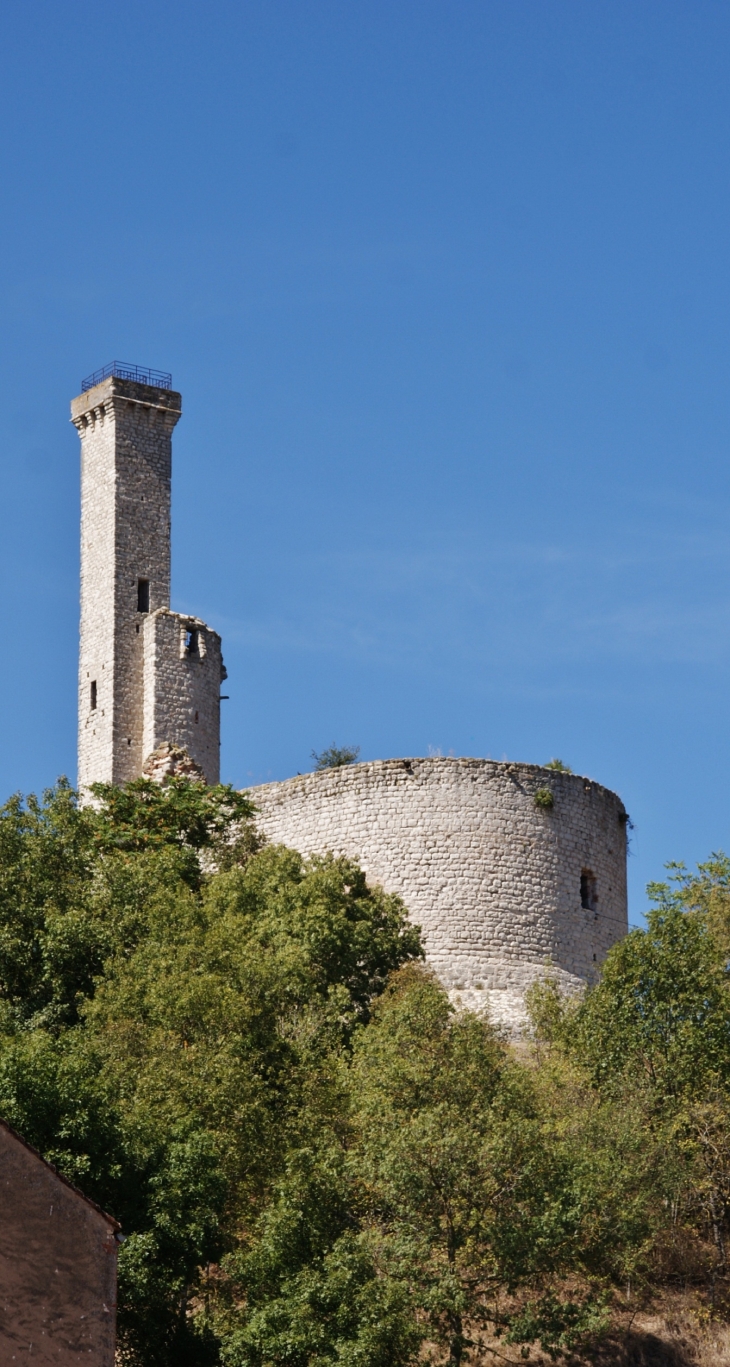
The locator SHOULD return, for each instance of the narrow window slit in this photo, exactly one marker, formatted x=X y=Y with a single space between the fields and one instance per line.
x=588 y=891
x=92 y=699
x=143 y=595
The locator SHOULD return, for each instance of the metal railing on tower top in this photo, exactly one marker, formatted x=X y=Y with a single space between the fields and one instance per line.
x=122 y=371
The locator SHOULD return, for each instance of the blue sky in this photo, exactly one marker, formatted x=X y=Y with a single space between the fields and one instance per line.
x=446 y=289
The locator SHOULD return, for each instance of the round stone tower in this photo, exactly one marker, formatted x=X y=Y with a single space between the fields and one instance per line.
x=507 y=868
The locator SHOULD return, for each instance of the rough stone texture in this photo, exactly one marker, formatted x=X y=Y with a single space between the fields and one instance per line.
x=126 y=453
x=493 y=880
x=183 y=672
x=171 y=761
x=57 y=1266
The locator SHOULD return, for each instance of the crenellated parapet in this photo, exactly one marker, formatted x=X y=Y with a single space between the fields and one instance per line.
x=114 y=398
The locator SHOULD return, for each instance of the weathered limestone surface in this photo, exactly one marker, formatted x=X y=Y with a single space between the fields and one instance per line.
x=183 y=672
x=126 y=459
x=171 y=761
x=493 y=880
x=136 y=688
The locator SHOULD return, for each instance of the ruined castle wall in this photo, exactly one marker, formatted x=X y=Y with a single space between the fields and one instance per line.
x=183 y=671
x=494 y=881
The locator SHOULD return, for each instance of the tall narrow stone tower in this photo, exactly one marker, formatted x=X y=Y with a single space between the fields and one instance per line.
x=146 y=675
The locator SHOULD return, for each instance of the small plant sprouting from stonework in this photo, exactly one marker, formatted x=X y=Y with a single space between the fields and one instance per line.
x=544 y=799
x=558 y=766
x=335 y=756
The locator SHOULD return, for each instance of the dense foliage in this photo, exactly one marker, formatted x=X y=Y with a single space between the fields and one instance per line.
x=654 y=1035
x=315 y=1160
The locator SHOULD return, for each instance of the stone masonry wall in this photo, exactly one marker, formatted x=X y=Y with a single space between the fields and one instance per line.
x=126 y=430
x=182 y=688
x=493 y=880
x=96 y=647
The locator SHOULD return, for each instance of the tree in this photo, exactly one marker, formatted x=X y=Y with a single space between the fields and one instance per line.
x=705 y=893
x=335 y=756
x=442 y=1192
x=316 y=1161
x=479 y=1197
x=655 y=1034
x=164 y=1059
x=661 y=1011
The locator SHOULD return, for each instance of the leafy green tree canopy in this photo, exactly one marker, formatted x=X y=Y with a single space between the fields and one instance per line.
x=335 y=756
x=660 y=1014
x=170 y=995
x=316 y=1161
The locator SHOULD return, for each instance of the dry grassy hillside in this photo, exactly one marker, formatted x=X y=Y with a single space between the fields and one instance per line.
x=677 y=1329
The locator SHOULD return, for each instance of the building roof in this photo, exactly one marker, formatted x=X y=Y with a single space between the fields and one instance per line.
x=76 y=1190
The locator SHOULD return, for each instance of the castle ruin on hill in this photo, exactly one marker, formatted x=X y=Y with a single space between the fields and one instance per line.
x=508 y=868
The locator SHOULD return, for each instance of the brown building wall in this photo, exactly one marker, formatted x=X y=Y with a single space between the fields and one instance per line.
x=57 y=1266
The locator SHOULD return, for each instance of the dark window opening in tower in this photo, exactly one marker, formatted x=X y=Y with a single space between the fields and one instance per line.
x=191 y=642
x=92 y=699
x=143 y=595
x=588 y=892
